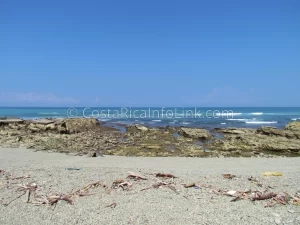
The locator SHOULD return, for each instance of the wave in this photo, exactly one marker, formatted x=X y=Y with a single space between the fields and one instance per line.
x=237 y=119
x=295 y=119
x=257 y=113
x=179 y=114
x=228 y=114
x=223 y=123
x=104 y=120
x=156 y=120
x=261 y=122
x=185 y=123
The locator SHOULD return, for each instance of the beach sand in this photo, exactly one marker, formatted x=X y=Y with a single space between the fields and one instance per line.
x=153 y=206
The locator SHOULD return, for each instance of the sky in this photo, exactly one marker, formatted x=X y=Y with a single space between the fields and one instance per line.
x=149 y=53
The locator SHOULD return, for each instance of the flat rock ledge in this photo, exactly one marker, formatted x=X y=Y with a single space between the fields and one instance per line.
x=91 y=137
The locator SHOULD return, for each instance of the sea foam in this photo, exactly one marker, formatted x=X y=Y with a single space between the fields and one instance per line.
x=261 y=122
x=237 y=119
x=228 y=114
x=185 y=123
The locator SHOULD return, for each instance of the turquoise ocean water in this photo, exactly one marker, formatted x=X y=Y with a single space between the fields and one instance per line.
x=172 y=116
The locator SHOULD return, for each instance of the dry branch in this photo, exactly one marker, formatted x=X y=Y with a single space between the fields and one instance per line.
x=136 y=176
x=55 y=198
x=166 y=175
x=116 y=183
x=262 y=196
x=228 y=176
x=112 y=205
x=189 y=185
x=125 y=186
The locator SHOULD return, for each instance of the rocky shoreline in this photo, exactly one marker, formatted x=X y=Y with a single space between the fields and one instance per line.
x=81 y=136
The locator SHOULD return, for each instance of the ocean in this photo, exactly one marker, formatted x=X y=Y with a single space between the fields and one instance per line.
x=248 y=117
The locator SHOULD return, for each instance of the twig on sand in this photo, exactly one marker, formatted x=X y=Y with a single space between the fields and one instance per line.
x=136 y=176
x=161 y=184
x=9 y=178
x=125 y=186
x=112 y=205
x=189 y=185
x=40 y=200
x=166 y=175
x=283 y=199
x=228 y=176
x=116 y=183
x=55 y=198
x=155 y=185
x=280 y=198
x=30 y=187
x=84 y=191
x=262 y=196
x=33 y=187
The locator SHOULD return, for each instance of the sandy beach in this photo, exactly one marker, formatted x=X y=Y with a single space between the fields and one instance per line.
x=152 y=206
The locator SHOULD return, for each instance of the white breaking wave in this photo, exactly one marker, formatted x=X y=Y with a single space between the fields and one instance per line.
x=104 y=120
x=237 y=119
x=228 y=114
x=294 y=119
x=223 y=123
x=257 y=113
x=185 y=123
x=156 y=120
x=261 y=122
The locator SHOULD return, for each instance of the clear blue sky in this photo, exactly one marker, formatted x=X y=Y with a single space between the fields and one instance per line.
x=149 y=53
